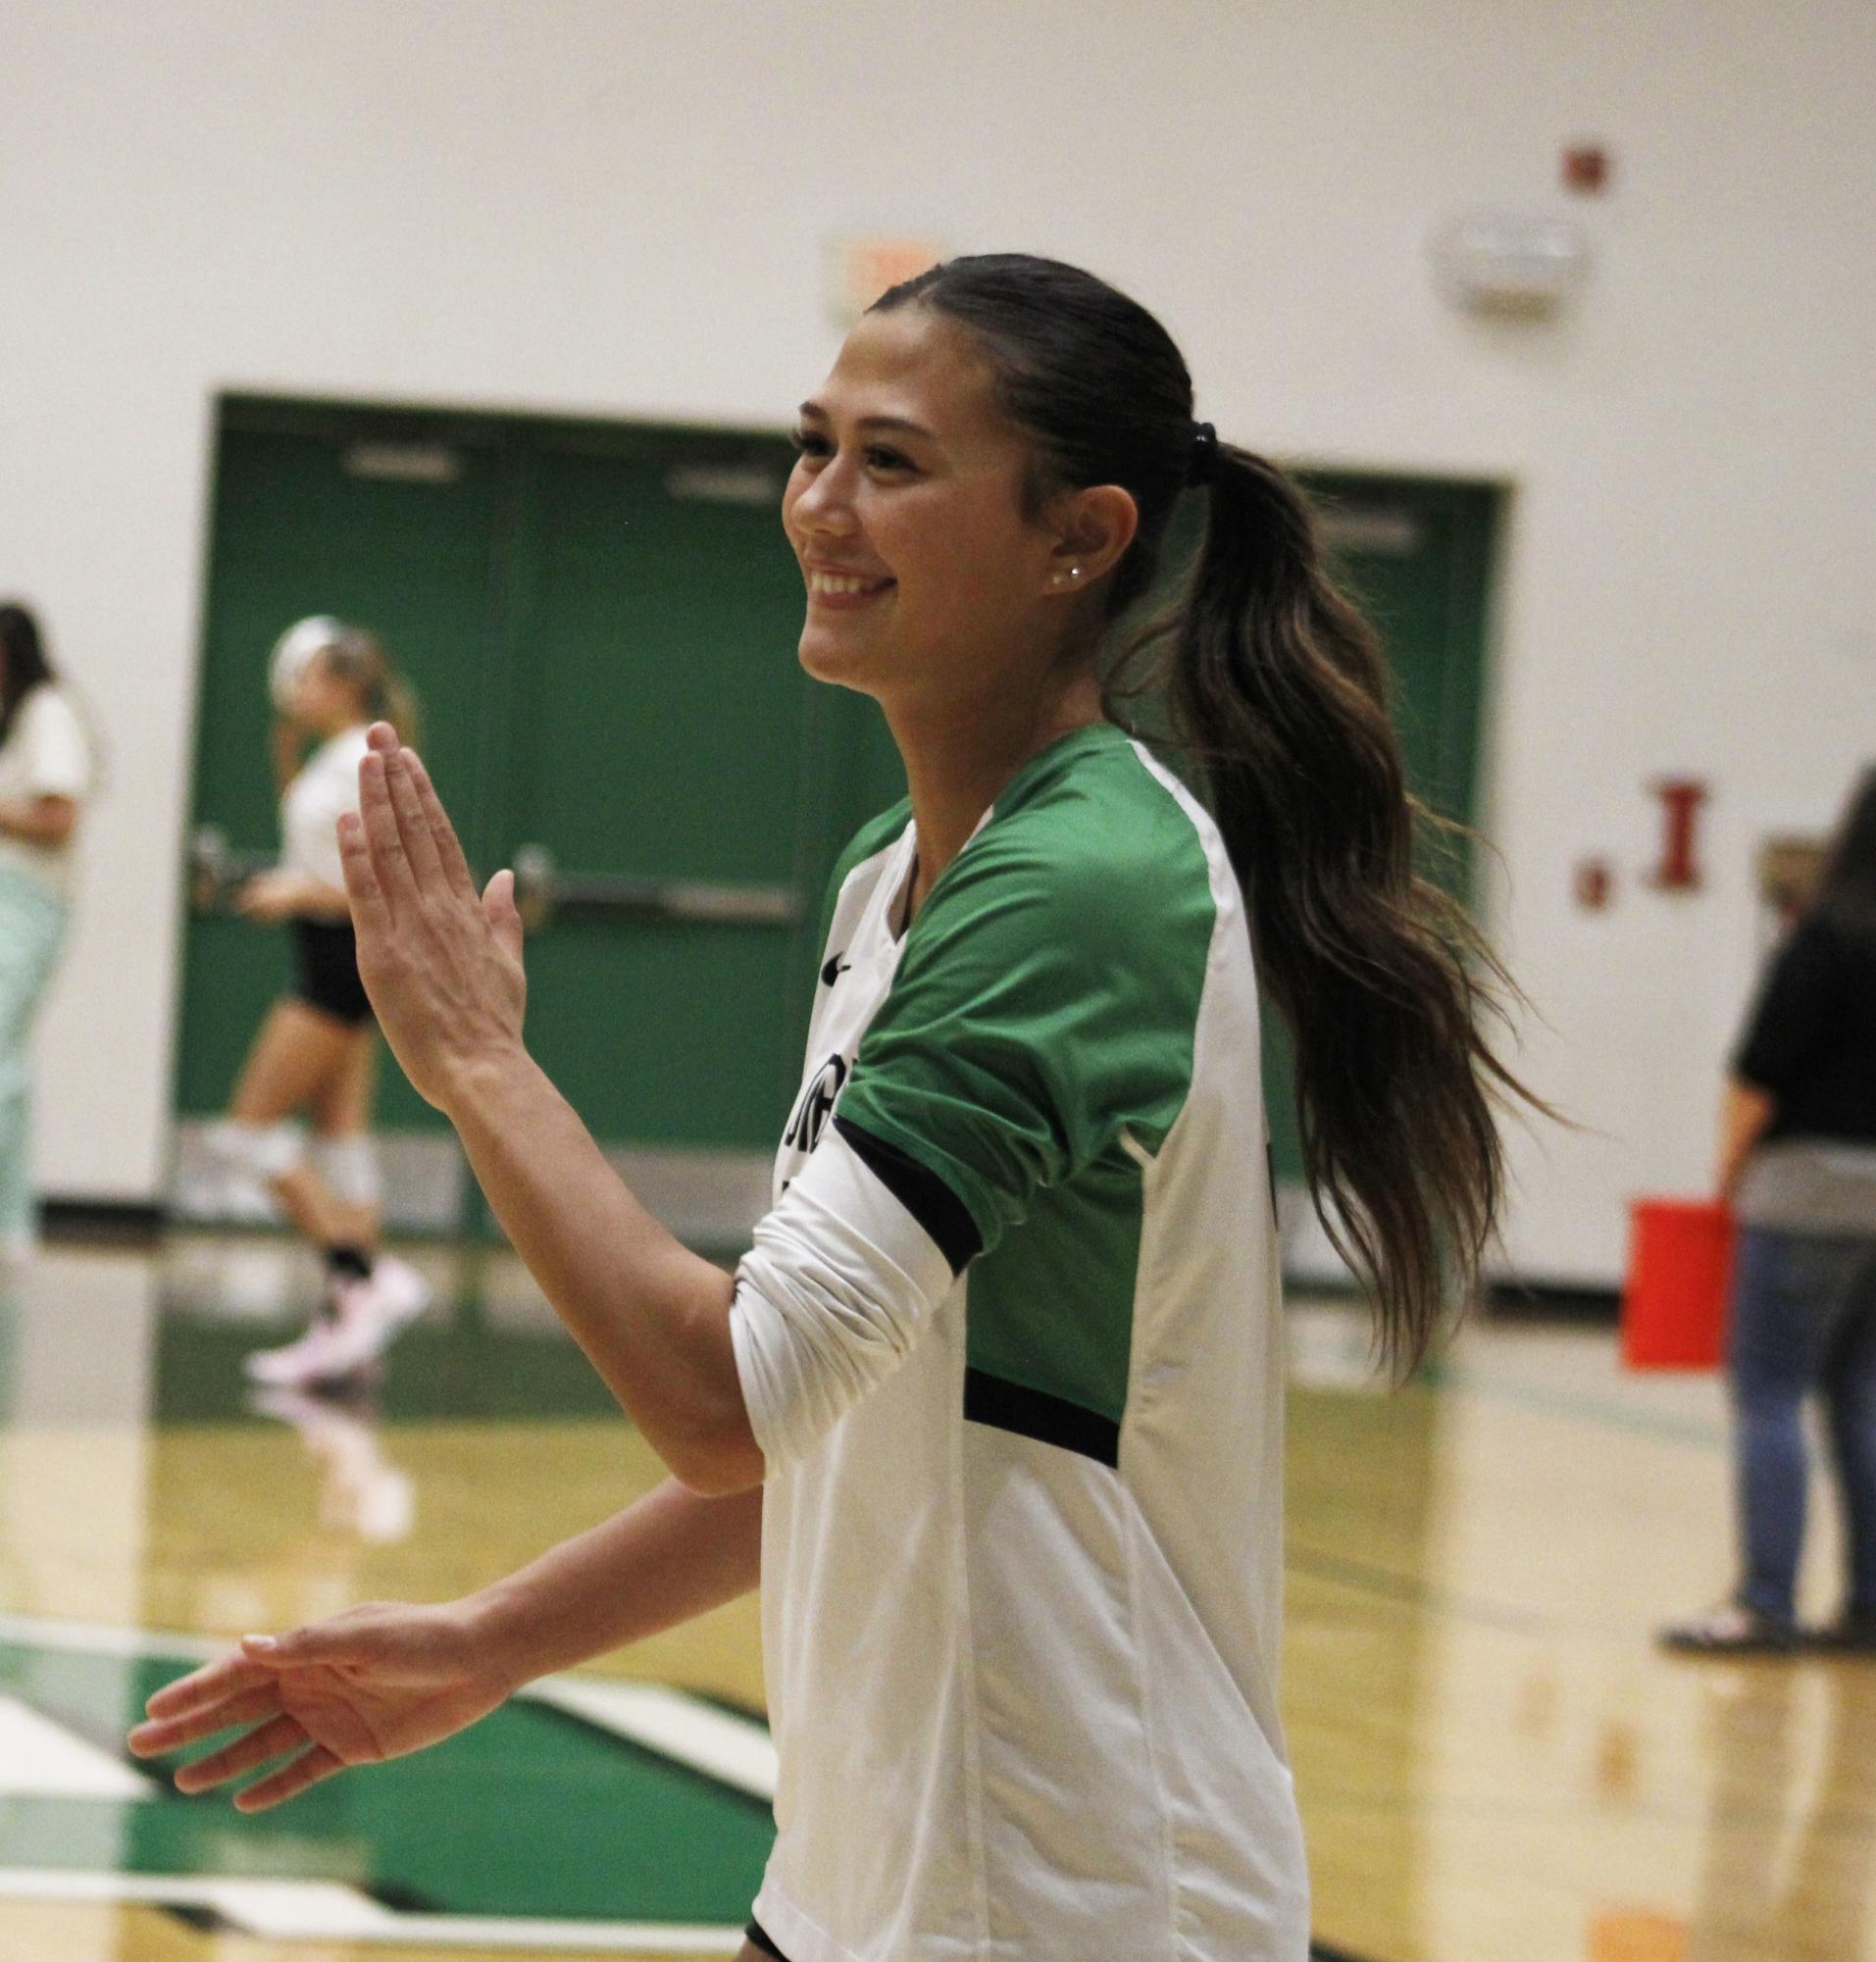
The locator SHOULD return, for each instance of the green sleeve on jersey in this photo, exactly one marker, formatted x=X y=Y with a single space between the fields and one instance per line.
x=1047 y=1001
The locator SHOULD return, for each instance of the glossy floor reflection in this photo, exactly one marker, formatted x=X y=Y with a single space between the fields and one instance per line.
x=1494 y=1763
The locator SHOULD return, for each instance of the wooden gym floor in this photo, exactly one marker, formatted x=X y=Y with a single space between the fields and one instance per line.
x=1494 y=1763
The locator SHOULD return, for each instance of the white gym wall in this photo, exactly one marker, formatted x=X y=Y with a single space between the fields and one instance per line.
x=622 y=208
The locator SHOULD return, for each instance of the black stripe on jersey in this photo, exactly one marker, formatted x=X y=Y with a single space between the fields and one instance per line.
x=923 y=1194
x=763 y=1939
x=1034 y=1413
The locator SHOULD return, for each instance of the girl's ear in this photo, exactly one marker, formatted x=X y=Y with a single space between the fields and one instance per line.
x=1094 y=529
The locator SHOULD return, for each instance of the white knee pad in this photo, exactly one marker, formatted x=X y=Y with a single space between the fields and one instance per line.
x=349 y=1166
x=258 y=1151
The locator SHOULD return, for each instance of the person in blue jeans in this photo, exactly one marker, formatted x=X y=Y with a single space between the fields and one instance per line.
x=1798 y=1159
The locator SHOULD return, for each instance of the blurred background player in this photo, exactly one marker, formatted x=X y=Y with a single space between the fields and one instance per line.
x=1798 y=1158
x=317 y=1051
x=45 y=775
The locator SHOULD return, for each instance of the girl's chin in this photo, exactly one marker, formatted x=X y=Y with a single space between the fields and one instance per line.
x=834 y=657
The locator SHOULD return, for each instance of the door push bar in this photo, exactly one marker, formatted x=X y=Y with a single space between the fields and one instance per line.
x=218 y=872
x=542 y=891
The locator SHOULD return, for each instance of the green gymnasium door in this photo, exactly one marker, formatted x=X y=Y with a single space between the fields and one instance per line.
x=601 y=623
x=677 y=790
x=1417 y=555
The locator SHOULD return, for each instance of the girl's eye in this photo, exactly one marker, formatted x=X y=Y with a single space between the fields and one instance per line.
x=813 y=443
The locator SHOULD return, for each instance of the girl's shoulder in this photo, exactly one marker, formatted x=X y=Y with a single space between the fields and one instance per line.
x=348 y=746
x=337 y=757
x=1105 y=862
x=49 y=707
x=47 y=726
x=1839 y=935
x=1110 y=827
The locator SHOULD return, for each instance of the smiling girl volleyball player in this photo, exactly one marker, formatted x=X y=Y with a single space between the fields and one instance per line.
x=993 y=1407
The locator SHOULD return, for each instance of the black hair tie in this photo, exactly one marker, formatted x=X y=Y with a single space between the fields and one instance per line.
x=1204 y=465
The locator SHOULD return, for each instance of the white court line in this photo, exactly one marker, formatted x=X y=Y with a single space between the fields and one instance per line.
x=39 y=1758
x=619 y=1938
x=96 y=1639
x=282 y=1909
x=734 y=1750
x=329 y=1911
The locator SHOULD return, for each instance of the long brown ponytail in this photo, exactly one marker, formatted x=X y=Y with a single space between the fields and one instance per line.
x=1277 y=688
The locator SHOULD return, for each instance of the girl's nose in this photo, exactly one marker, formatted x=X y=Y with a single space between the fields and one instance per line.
x=826 y=505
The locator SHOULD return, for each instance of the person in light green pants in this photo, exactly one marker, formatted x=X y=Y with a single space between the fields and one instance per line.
x=45 y=773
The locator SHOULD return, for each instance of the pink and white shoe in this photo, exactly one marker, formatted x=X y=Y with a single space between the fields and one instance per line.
x=369 y=1314
x=307 y=1360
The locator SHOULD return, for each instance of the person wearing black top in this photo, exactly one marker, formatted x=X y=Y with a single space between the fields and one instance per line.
x=1798 y=1159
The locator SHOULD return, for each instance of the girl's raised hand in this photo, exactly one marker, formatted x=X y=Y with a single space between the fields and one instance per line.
x=375 y=1683
x=441 y=962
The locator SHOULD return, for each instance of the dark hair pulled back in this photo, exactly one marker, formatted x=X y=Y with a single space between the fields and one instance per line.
x=1278 y=688
x=1847 y=891
x=24 y=664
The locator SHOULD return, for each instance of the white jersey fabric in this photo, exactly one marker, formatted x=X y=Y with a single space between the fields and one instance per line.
x=1010 y=1341
x=324 y=790
x=46 y=754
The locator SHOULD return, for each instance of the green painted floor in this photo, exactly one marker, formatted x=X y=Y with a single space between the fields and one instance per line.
x=532 y=1813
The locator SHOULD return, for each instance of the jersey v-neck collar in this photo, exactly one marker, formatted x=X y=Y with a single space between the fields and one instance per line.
x=1091 y=736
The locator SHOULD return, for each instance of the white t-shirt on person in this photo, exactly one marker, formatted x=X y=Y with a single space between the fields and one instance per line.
x=1010 y=1342
x=325 y=788
x=46 y=754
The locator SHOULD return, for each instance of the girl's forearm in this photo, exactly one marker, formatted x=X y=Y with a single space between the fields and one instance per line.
x=41 y=820
x=319 y=901
x=653 y=1316
x=671 y=1556
x=1745 y=1111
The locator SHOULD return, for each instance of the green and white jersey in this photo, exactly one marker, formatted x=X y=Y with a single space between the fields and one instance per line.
x=1010 y=1341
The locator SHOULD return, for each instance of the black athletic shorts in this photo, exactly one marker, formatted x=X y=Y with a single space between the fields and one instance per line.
x=325 y=971
x=763 y=1942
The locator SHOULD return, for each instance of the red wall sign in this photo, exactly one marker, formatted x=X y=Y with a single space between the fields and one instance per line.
x=1682 y=799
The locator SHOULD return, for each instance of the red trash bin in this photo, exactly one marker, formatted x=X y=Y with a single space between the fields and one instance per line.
x=1680 y=1273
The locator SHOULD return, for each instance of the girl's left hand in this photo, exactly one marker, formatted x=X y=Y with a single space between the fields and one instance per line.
x=441 y=964
x=375 y=1683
